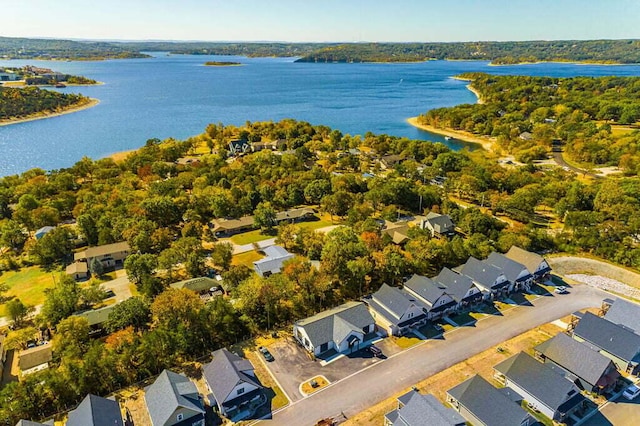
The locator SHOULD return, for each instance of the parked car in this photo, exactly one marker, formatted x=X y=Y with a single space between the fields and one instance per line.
x=631 y=392
x=265 y=353
x=375 y=351
x=560 y=290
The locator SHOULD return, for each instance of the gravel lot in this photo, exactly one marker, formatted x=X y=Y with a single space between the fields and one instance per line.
x=607 y=284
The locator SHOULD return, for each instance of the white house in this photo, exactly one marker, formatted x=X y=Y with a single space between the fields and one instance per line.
x=343 y=329
x=272 y=263
x=433 y=295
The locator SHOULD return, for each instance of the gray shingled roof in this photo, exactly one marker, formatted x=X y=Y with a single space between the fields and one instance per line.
x=96 y=411
x=30 y=423
x=624 y=313
x=393 y=300
x=611 y=337
x=322 y=328
x=457 y=285
x=169 y=392
x=482 y=273
x=575 y=357
x=487 y=403
x=539 y=380
x=97 y=316
x=441 y=223
x=527 y=258
x=33 y=357
x=421 y=410
x=510 y=268
x=225 y=372
x=426 y=288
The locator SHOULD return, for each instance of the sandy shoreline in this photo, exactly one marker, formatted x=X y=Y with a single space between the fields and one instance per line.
x=486 y=144
x=42 y=115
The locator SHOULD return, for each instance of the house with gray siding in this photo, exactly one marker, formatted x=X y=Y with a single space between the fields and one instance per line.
x=343 y=329
x=482 y=404
x=460 y=287
x=439 y=225
x=173 y=400
x=415 y=409
x=433 y=295
x=488 y=278
x=586 y=367
x=515 y=272
x=624 y=313
x=236 y=390
x=544 y=389
x=536 y=264
x=394 y=310
x=614 y=341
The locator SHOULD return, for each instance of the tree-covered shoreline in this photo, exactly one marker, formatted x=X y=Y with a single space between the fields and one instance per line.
x=498 y=53
x=20 y=103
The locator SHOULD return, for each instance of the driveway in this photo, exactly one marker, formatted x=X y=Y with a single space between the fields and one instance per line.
x=120 y=286
x=292 y=366
x=619 y=413
x=382 y=379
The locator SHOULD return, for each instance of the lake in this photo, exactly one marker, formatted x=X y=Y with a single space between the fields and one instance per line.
x=177 y=96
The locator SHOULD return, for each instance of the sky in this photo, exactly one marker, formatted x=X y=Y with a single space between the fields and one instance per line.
x=322 y=20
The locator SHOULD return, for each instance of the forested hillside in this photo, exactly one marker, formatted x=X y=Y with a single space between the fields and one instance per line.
x=601 y=51
x=19 y=103
x=529 y=114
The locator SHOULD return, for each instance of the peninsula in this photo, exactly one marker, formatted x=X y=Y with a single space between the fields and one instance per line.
x=19 y=105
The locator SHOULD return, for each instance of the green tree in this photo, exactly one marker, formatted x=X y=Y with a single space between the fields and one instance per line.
x=61 y=301
x=54 y=246
x=133 y=312
x=72 y=337
x=222 y=254
x=18 y=311
x=140 y=266
x=96 y=267
x=264 y=217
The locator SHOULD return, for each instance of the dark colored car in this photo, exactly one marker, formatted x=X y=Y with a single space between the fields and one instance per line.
x=375 y=351
x=265 y=353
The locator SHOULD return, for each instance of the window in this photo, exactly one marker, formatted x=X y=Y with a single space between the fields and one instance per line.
x=240 y=391
x=180 y=417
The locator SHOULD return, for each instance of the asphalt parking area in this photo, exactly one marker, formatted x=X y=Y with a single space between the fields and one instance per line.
x=620 y=412
x=292 y=365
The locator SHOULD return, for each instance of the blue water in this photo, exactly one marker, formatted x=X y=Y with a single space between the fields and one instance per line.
x=177 y=96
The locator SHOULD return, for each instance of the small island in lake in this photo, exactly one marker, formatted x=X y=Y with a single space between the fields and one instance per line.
x=221 y=64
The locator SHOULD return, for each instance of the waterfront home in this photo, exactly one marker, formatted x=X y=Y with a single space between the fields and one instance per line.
x=342 y=329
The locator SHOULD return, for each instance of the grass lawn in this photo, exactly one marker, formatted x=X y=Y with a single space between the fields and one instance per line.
x=429 y=331
x=317 y=224
x=28 y=285
x=246 y=258
x=463 y=319
x=406 y=341
x=320 y=381
x=541 y=418
x=519 y=298
x=250 y=237
x=490 y=309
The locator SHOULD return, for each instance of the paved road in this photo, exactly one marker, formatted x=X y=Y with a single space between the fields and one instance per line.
x=380 y=381
x=559 y=159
